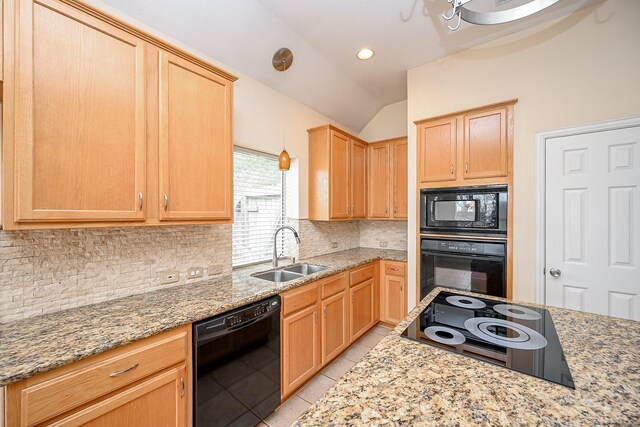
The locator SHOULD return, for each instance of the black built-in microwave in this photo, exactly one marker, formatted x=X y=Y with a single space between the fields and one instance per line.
x=464 y=210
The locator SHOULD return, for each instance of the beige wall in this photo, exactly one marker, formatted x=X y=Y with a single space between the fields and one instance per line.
x=581 y=69
x=389 y=122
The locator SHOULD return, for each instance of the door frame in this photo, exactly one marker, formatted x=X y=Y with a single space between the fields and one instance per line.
x=539 y=226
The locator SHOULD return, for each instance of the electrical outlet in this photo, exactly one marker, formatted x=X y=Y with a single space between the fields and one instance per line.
x=194 y=272
x=334 y=245
x=383 y=243
x=167 y=277
x=214 y=270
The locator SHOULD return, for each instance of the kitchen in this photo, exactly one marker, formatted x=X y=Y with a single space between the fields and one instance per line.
x=93 y=286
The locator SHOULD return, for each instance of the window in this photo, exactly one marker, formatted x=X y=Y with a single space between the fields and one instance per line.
x=259 y=198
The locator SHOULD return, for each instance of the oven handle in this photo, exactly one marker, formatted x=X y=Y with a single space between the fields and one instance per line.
x=496 y=258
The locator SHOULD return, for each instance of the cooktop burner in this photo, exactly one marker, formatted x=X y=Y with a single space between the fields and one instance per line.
x=517 y=337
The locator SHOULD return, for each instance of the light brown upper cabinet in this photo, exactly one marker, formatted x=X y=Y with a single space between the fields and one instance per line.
x=437 y=151
x=91 y=124
x=467 y=148
x=400 y=179
x=195 y=133
x=74 y=117
x=358 y=166
x=337 y=175
x=485 y=144
x=388 y=179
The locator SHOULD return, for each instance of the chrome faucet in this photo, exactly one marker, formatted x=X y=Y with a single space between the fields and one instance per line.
x=275 y=246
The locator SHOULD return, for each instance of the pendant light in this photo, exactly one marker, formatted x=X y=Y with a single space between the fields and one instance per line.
x=281 y=61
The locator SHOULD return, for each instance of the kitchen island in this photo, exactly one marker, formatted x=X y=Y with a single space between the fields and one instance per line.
x=403 y=382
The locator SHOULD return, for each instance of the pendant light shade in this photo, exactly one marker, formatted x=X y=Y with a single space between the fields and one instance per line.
x=284 y=161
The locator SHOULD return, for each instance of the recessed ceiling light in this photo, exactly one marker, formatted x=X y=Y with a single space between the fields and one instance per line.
x=365 y=53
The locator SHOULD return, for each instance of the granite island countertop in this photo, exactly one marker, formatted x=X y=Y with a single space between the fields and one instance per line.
x=403 y=382
x=42 y=343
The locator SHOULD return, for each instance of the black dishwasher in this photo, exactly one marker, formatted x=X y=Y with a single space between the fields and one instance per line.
x=236 y=363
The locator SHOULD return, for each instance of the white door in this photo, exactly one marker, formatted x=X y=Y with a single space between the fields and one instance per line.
x=593 y=222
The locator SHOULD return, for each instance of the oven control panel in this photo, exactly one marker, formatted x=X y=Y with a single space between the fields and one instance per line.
x=457 y=246
x=471 y=247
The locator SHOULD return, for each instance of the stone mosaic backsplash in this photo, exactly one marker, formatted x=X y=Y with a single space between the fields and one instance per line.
x=45 y=271
x=383 y=235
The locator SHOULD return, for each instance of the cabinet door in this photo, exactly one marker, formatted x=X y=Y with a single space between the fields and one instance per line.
x=400 y=179
x=300 y=351
x=485 y=144
x=160 y=400
x=393 y=296
x=75 y=96
x=437 y=151
x=380 y=182
x=361 y=312
x=358 y=170
x=335 y=326
x=196 y=150
x=339 y=177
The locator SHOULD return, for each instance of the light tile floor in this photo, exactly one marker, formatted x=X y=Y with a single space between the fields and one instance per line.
x=310 y=393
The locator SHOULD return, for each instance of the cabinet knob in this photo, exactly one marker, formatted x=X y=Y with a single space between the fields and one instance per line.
x=166 y=201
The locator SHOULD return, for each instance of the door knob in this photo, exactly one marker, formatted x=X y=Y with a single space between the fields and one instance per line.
x=555 y=272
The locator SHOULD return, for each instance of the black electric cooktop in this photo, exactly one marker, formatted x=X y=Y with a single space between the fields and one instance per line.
x=517 y=337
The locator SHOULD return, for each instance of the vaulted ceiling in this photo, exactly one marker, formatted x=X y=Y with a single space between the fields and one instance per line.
x=324 y=36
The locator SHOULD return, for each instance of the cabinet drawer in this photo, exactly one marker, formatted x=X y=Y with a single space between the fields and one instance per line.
x=361 y=274
x=59 y=394
x=333 y=285
x=297 y=299
x=392 y=268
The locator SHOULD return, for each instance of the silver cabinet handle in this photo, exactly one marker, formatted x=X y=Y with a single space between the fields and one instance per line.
x=466 y=167
x=393 y=269
x=124 y=371
x=315 y=317
x=181 y=386
x=386 y=210
x=166 y=201
x=555 y=272
x=451 y=168
x=325 y=311
x=140 y=200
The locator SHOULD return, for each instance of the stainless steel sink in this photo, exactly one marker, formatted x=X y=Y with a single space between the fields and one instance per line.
x=305 y=269
x=278 y=276
x=291 y=272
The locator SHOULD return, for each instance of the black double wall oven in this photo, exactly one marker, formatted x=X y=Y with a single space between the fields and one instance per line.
x=470 y=262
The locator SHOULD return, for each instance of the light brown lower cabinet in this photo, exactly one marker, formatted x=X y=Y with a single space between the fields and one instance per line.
x=322 y=319
x=393 y=293
x=300 y=345
x=335 y=331
x=157 y=401
x=362 y=311
x=146 y=383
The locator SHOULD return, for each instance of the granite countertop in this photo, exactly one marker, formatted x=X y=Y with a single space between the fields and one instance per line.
x=403 y=382
x=39 y=344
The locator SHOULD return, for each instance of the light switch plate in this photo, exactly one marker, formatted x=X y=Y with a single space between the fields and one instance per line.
x=170 y=276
